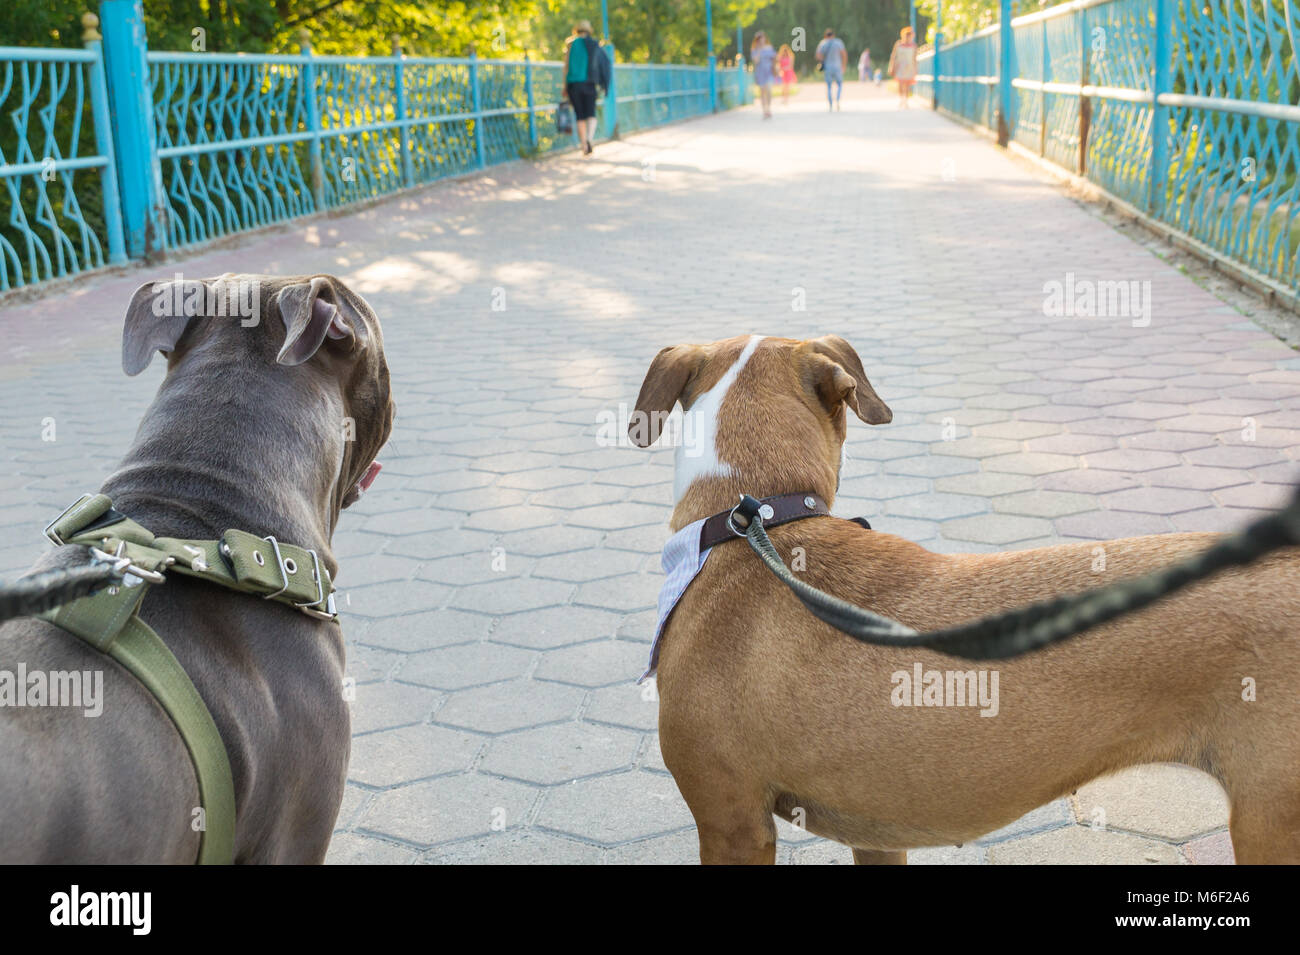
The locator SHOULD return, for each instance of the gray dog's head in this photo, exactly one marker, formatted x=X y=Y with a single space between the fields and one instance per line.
x=307 y=335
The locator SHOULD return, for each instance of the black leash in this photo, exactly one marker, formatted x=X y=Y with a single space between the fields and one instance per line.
x=28 y=596
x=1037 y=625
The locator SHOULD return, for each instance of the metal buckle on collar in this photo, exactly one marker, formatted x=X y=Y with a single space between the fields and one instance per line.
x=49 y=528
x=310 y=605
x=279 y=563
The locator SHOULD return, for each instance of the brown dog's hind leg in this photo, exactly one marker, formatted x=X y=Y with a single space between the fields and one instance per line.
x=879 y=857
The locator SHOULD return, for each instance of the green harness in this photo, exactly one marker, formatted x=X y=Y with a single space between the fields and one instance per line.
x=110 y=622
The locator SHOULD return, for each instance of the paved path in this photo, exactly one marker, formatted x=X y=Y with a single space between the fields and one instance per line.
x=500 y=577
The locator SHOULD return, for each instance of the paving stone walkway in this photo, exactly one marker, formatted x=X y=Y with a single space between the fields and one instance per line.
x=499 y=581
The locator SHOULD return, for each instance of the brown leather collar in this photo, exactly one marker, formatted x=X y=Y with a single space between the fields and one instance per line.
x=781 y=509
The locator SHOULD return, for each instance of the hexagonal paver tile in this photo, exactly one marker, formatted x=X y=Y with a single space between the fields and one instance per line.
x=464 y=665
x=448 y=809
x=625 y=704
x=512 y=595
x=417 y=521
x=560 y=753
x=996 y=528
x=618 y=808
x=384 y=705
x=1043 y=503
x=348 y=848
x=516 y=847
x=1156 y=500
x=517 y=704
x=1081 y=845
x=425 y=631
x=587 y=565
x=392 y=599
x=601 y=663
x=1165 y=800
x=555 y=627
x=412 y=752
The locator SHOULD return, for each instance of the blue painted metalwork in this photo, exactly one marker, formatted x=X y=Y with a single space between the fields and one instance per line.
x=210 y=144
x=51 y=224
x=609 y=113
x=1006 y=51
x=133 y=132
x=1098 y=89
x=713 y=60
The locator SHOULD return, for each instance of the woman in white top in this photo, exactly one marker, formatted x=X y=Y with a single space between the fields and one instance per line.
x=902 y=65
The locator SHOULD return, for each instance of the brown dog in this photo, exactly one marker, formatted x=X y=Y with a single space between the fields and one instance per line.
x=764 y=709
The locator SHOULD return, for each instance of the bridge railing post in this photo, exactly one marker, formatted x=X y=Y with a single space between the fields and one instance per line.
x=532 y=107
x=611 y=95
x=934 y=62
x=1006 y=45
x=1163 y=51
x=399 y=112
x=476 y=100
x=1042 y=95
x=139 y=172
x=1085 y=102
x=101 y=114
x=311 y=99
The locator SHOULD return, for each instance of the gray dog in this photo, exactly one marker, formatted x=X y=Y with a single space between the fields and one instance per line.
x=275 y=403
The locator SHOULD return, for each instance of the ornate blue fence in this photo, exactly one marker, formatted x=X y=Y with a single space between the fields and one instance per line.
x=210 y=144
x=1185 y=112
x=59 y=210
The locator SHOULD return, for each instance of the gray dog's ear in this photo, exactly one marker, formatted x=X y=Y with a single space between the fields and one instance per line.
x=664 y=383
x=313 y=312
x=156 y=319
x=835 y=373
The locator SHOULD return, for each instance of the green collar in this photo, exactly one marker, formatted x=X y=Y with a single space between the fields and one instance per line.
x=109 y=621
x=240 y=561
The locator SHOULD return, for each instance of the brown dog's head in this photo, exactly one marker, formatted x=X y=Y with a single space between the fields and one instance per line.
x=762 y=416
x=305 y=348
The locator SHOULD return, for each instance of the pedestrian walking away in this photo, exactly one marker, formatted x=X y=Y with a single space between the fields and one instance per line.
x=902 y=65
x=833 y=57
x=764 y=56
x=586 y=66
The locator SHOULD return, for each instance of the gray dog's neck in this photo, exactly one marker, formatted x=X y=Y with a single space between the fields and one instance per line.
x=231 y=447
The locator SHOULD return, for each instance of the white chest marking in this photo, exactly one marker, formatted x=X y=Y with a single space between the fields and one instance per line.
x=697 y=453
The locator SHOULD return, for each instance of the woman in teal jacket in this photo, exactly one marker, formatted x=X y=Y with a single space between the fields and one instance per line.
x=585 y=67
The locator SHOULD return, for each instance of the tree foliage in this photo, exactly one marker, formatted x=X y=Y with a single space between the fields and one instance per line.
x=872 y=24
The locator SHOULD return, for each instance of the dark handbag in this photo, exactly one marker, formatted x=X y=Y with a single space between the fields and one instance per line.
x=564 y=118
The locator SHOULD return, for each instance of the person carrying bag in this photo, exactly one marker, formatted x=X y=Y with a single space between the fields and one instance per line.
x=586 y=66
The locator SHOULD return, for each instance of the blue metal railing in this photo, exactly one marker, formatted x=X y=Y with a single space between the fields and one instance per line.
x=59 y=209
x=210 y=144
x=1185 y=112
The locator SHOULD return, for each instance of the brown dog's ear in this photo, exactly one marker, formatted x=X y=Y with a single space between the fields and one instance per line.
x=664 y=383
x=836 y=374
x=312 y=312
x=157 y=317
